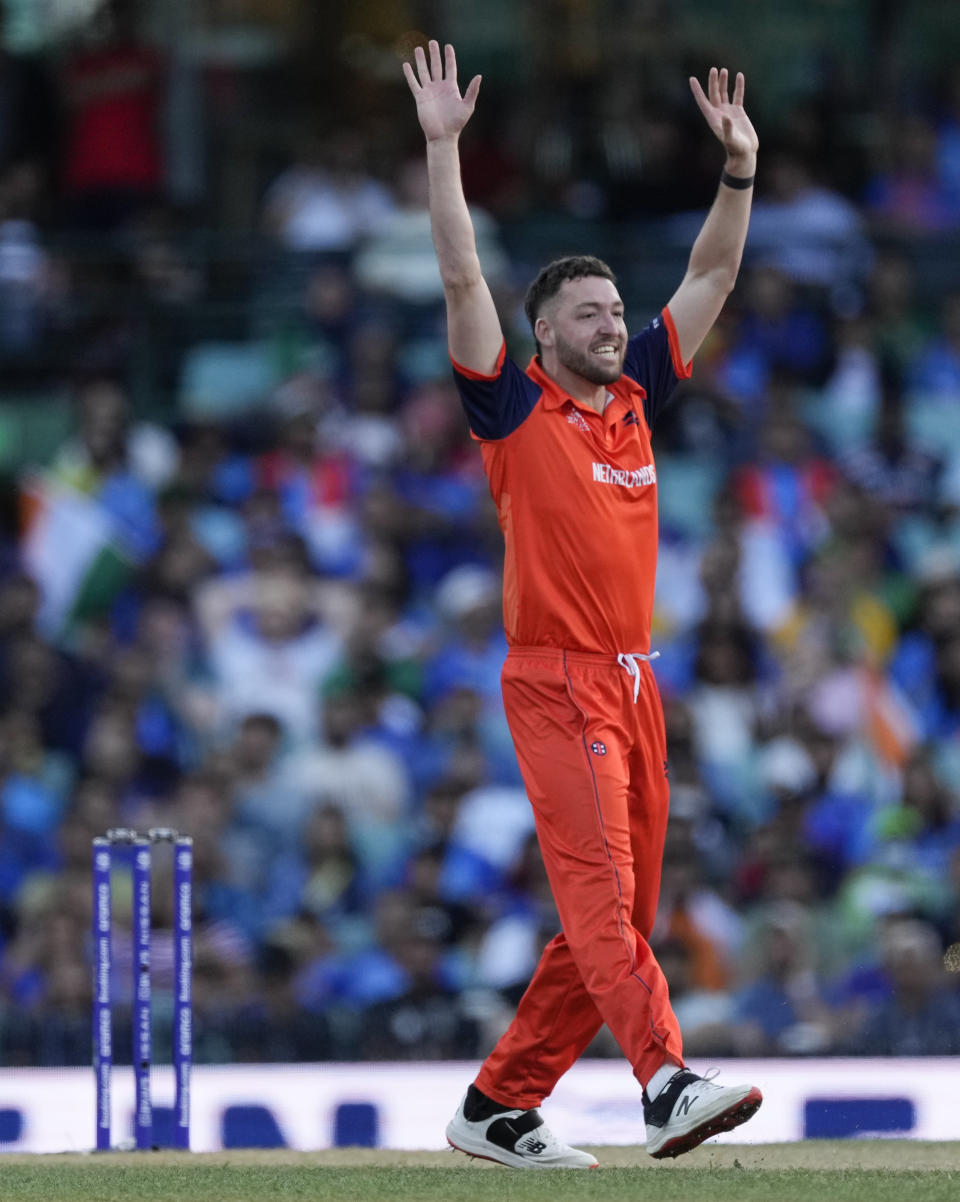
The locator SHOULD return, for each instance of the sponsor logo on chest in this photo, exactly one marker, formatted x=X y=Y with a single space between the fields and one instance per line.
x=577 y=419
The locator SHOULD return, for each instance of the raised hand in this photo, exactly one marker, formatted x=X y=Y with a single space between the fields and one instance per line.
x=441 y=110
x=727 y=118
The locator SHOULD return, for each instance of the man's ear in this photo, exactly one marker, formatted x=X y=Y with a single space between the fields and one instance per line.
x=543 y=332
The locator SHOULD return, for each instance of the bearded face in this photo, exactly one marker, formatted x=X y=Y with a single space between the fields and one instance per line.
x=583 y=331
x=600 y=363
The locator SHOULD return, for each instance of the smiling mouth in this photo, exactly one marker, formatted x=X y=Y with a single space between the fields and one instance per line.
x=606 y=350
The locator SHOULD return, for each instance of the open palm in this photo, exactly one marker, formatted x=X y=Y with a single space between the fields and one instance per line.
x=727 y=118
x=441 y=110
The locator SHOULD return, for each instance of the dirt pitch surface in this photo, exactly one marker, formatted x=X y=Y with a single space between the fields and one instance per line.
x=838 y=1171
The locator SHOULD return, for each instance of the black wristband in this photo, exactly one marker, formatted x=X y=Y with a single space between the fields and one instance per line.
x=740 y=182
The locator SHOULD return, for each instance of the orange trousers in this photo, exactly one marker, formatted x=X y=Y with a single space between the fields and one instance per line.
x=594 y=765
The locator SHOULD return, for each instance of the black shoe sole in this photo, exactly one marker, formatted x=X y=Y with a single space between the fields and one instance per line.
x=723 y=1122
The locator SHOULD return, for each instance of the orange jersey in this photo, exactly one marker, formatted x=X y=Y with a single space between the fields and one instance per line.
x=576 y=495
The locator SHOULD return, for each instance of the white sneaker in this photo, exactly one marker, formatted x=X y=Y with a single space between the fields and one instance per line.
x=519 y=1138
x=689 y=1109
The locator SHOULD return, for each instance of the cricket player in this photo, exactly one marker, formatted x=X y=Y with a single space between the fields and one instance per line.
x=566 y=447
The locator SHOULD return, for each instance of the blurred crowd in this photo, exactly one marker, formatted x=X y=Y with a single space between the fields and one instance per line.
x=260 y=604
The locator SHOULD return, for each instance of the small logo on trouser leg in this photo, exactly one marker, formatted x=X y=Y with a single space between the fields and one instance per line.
x=598 y=748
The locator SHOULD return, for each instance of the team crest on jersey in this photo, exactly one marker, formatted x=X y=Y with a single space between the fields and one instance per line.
x=598 y=748
x=576 y=418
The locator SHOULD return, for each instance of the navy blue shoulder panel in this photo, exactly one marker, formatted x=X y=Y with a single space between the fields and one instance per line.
x=498 y=405
x=649 y=362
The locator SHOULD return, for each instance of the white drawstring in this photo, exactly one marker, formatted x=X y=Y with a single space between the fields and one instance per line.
x=628 y=660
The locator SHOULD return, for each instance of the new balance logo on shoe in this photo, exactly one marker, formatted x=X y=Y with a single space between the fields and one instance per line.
x=518 y=1138
x=672 y=1128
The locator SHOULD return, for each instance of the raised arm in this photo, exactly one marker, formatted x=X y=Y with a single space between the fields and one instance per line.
x=718 y=249
x=473 y=327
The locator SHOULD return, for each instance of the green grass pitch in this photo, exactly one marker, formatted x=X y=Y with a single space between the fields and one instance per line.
x=839 y=1171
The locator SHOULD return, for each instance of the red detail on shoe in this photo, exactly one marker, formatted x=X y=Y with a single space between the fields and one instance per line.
x=731 y=1118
